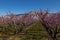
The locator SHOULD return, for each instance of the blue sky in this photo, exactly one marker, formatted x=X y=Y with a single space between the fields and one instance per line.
x=22 y=6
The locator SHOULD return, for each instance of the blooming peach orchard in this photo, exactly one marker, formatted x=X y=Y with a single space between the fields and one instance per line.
x=50 y=22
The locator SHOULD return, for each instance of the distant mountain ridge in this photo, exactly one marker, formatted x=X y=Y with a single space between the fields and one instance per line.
x=34 y=16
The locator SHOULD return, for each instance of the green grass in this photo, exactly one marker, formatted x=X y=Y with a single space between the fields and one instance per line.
x=34 y=32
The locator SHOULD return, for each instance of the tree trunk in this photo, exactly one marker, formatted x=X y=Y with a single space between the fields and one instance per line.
x=52 y=33
x=55 y=34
